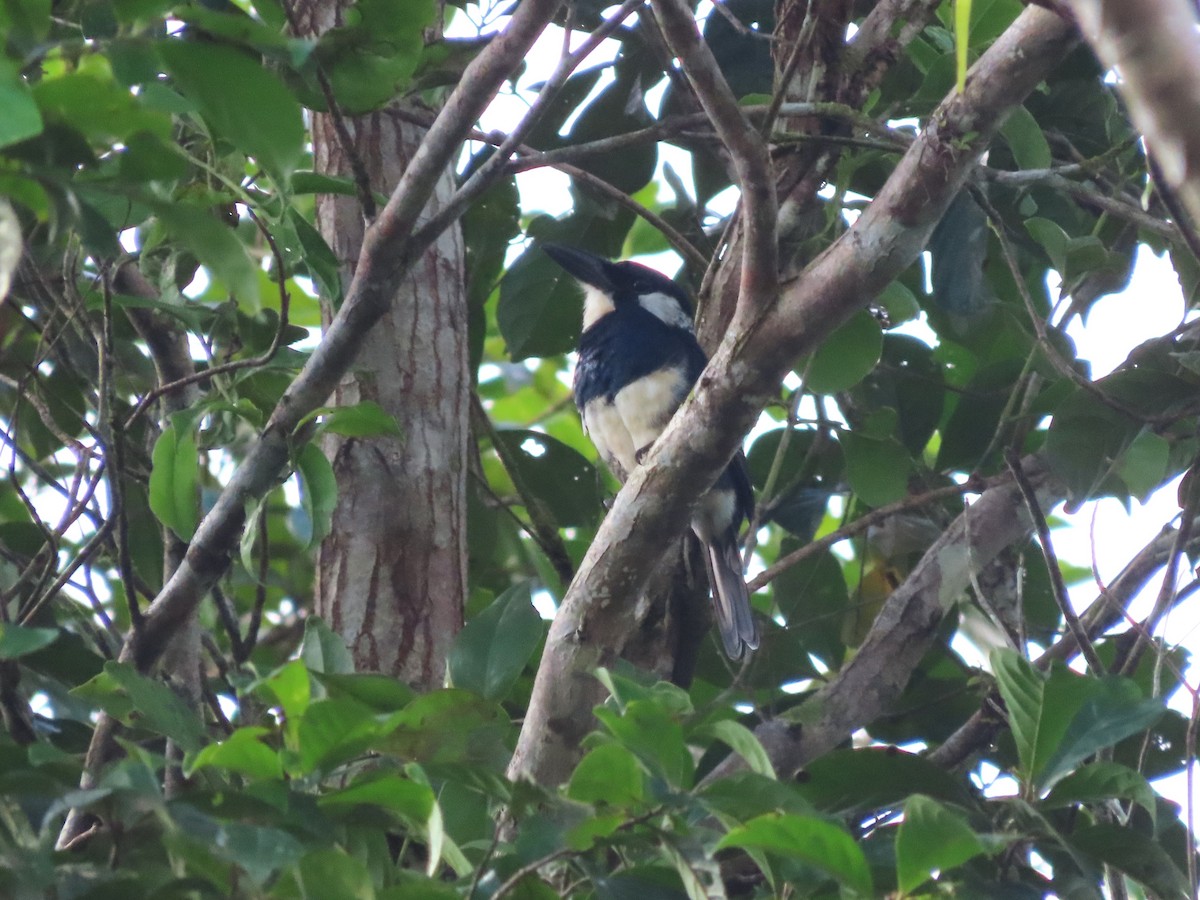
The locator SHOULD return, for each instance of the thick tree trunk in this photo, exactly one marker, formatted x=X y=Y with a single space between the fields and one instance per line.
x=391 y=576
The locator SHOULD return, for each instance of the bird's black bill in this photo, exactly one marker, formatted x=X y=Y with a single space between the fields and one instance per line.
x=587 y=267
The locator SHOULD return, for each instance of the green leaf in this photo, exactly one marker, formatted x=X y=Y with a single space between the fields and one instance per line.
x=381 y=693
x=318 y=490
x=144 y=702
x=215 y=244
x=332 y=872
x=847 y=781
x=1140 y=857
x=493 y=648
x=1146 y=464
x=1026 y=140
x=557 y=475
x=241 y=100
x=1112 y=710
x=324 y=651
x=407 y=798
x=289 y=685
x=1052 y=238
x=364 y=419
x=318 y=257
x=810 y=840
x=846 y=357
x=608 y=775
x=742 y=741
x=932 y=838
x=540 y=309
x=19 y=115
x=653 y=734
x=877 y=470
x=175 y=463
x=17 y=641
x=333 y=731
x=1038 y=714
x=241 y=752
x=1101 y=781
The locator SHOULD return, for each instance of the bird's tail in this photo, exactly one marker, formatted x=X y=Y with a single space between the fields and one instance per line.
x=731 y=600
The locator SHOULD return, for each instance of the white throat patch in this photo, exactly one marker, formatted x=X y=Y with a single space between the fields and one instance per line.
x=666 y=309
x=596 y=305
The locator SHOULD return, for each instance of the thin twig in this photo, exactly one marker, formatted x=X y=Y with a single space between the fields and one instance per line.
x=1058 y=585
x=861 y=524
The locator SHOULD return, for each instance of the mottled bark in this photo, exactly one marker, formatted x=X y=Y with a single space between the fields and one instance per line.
x=391 y=576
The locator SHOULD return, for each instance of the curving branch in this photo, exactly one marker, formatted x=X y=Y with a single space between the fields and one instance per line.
x=652 y=508
x=1152 y=45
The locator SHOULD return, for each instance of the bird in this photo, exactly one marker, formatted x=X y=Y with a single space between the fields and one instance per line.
x=638 y=360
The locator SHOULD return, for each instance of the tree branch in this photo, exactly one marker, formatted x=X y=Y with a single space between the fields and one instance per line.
x=1152 y=44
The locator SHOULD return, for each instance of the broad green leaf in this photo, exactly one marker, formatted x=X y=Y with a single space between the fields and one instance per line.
x=381 y=693
x=1026 y=140
x=365 y=419
x=1038 y=713
x=289 y=685
x=1113 y=709
x=1140 y=857
x=241 y=100
x=216 y=245
x=1146 y=464
x=742 y=741
x=1050 y=235
x=655 y=736
x=17 y=641
x=540 y=307
x=319 y=258
x=449 y=726
x=846 y=781
x=846 y=356
x=175 y=463
x=608 y=775
x=19 y=115
x=332 y=872
x=318 y=490
x=813 y=841
x=146 y=703
x=407 y=798
x=1101 y=781
x=878 y=470
x=241 y=752
x=932 y=838
x=557 y=475
x=324 y=651
x=333 y=731
x=493 y=648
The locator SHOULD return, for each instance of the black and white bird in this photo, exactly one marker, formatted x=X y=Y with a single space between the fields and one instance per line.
x=638 y=359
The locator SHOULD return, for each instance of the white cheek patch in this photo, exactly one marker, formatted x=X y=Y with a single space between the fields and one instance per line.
x=666 y=309
x=647 y=405
x=596 y=305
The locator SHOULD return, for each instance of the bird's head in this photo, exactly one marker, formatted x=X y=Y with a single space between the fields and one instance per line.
x=609 y=285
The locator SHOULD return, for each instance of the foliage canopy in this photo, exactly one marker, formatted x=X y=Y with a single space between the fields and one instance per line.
x=174 y=134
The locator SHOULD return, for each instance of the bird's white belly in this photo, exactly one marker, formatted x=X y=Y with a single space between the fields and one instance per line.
x=635 y=418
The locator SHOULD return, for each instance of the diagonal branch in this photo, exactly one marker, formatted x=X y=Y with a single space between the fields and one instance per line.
x=1152 y=44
